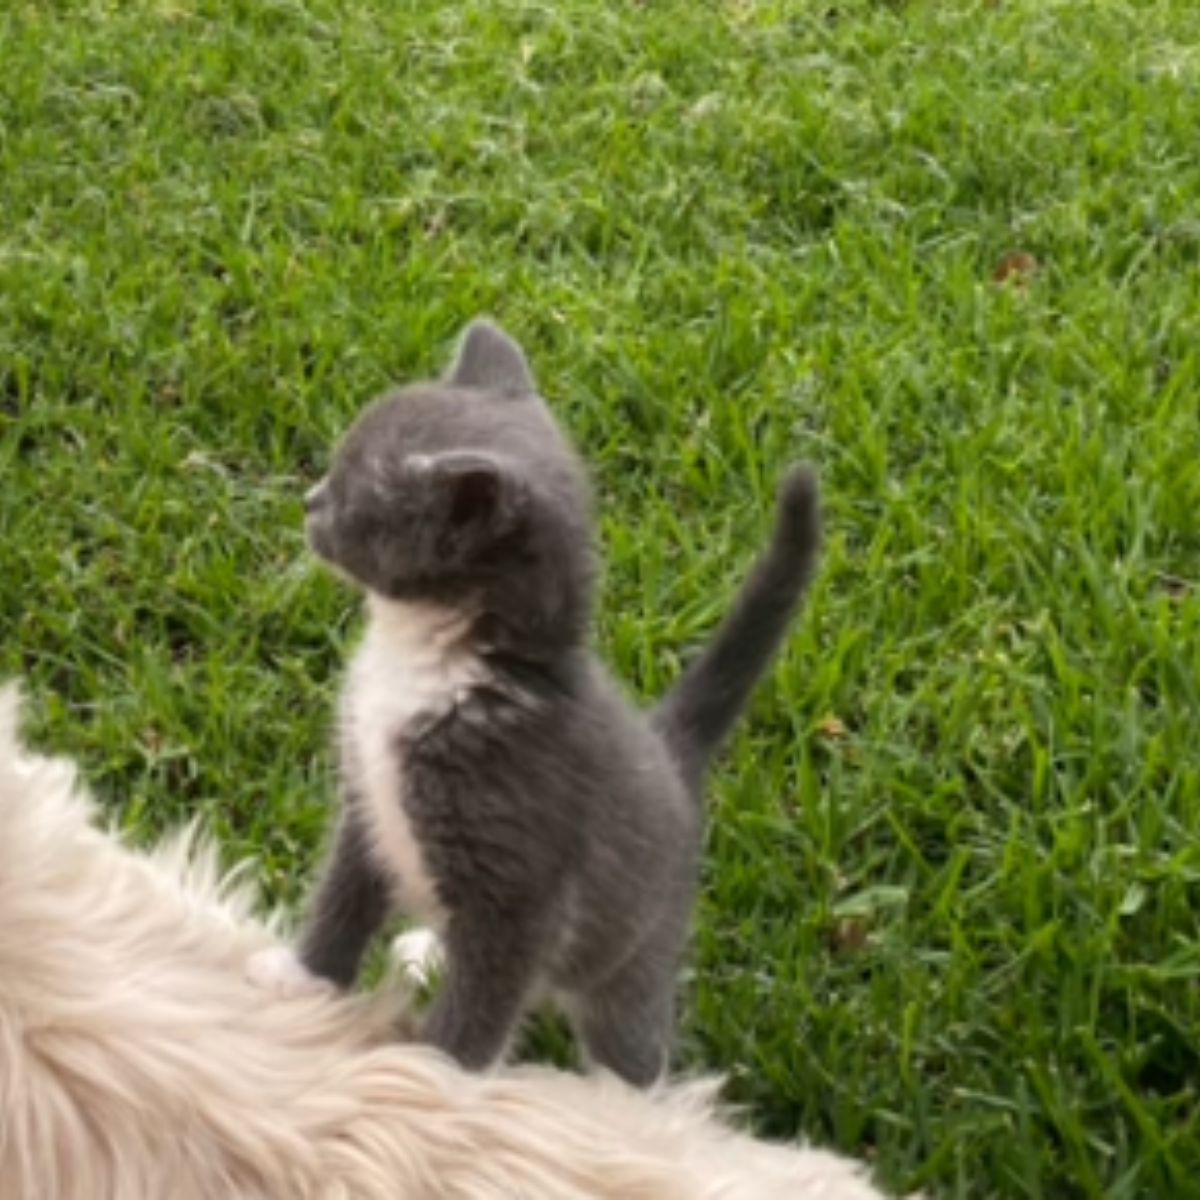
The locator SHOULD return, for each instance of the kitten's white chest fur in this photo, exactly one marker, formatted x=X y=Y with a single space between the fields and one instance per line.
x=411 y=664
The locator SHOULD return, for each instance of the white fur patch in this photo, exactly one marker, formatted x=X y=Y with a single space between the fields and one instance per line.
x=418 y=954
x=277 y=970
x=409 y=666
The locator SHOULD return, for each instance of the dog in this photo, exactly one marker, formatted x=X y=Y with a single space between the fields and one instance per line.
x=139 y=1062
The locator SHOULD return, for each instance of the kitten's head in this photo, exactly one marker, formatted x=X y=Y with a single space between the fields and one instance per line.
x=464 y=493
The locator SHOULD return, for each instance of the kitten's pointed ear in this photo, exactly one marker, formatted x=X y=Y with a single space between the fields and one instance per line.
x=471 y=489
x=488 y=358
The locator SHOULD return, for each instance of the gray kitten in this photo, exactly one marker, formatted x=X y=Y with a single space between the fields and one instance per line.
x=497 y=785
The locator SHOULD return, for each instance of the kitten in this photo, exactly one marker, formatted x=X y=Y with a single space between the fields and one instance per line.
x=497 y=787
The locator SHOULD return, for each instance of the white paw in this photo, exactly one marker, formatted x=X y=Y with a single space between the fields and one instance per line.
x=418 y=955
x=278 y=970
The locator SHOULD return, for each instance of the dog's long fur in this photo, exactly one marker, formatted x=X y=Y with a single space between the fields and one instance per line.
x=138 y=1063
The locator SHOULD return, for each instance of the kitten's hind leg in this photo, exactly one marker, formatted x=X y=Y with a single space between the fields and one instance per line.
x=626 y=1025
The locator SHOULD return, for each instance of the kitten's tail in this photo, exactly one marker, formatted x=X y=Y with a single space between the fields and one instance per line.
x=696 y=715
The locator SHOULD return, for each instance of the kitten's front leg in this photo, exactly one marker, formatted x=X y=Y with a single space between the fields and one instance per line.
x=491 y=967
x=351 y=903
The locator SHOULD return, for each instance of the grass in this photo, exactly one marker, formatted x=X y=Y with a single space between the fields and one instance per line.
x=951 y=915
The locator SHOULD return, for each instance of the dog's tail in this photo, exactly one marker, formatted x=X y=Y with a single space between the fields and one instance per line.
x=699 y=711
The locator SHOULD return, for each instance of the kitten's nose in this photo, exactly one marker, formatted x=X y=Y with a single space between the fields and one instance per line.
x=314 y=497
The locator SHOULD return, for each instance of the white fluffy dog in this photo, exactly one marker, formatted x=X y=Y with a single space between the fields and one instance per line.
x=137 y=1062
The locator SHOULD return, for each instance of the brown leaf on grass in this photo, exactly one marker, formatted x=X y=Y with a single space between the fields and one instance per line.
x=847 y=935
x=1017 y=268
x=1176 y=589
x=832 y=728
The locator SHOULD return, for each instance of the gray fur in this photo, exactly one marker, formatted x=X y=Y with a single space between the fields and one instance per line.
x=561 y=827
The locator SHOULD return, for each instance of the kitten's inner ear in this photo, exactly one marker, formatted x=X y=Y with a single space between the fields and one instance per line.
x=489 y=359
x=470 y=486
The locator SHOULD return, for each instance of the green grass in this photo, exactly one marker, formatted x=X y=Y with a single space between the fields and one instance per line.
x=951 y=915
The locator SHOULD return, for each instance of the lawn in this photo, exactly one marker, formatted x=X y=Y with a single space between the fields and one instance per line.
x=949 y=251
